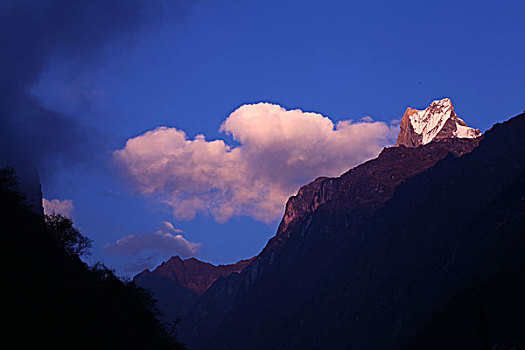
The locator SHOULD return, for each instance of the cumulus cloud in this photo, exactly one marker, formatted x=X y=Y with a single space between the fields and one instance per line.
x=279 y=150
x=144 y=246
x=56 y=206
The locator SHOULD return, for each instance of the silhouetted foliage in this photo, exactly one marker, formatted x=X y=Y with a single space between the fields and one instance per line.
x=68 y=237
x=9 y=186
x=8 y=180
x=55 y=300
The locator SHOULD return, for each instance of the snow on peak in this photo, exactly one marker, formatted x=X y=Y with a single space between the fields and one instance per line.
x=429 y=122
x=438 y=121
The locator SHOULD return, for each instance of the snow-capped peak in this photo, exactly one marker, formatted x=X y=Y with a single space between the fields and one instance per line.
x=438 y=121
x=430 y=121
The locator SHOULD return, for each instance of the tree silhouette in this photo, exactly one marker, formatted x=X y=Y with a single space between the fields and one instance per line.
x=61 y=228
x=54 y=299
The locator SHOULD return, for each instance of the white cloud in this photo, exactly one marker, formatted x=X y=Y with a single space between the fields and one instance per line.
x=56 y=206
x=279 y=150
x=147 y=249
x=165 y=242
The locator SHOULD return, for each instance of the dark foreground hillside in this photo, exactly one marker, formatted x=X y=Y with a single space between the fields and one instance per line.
x=52 y=300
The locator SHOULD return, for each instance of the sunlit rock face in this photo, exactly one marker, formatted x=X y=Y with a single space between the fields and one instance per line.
x=437 y=122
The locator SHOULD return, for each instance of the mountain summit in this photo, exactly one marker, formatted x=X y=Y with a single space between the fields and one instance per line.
x=437 y=122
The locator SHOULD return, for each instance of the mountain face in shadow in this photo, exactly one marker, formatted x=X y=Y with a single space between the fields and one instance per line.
x=177 y=283
x=365 y=260
x=454 y=232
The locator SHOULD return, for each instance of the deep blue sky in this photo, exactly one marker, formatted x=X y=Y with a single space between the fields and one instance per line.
x=343 y=59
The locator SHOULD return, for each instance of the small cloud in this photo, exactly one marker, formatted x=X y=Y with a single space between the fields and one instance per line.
x=367 y=119
x=56 y=206
x=146 y=249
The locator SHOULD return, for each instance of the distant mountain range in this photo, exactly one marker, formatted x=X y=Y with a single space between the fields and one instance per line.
x=178 y=283
x=385 y=256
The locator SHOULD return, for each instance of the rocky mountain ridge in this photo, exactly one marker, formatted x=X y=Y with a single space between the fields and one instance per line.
x=178 y=283
x=437 y=122
x=192 y=274
x=368 y=186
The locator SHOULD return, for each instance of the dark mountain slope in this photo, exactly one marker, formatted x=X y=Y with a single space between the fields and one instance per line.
x=455 y=228
x=299 y=259
x=489 y=313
